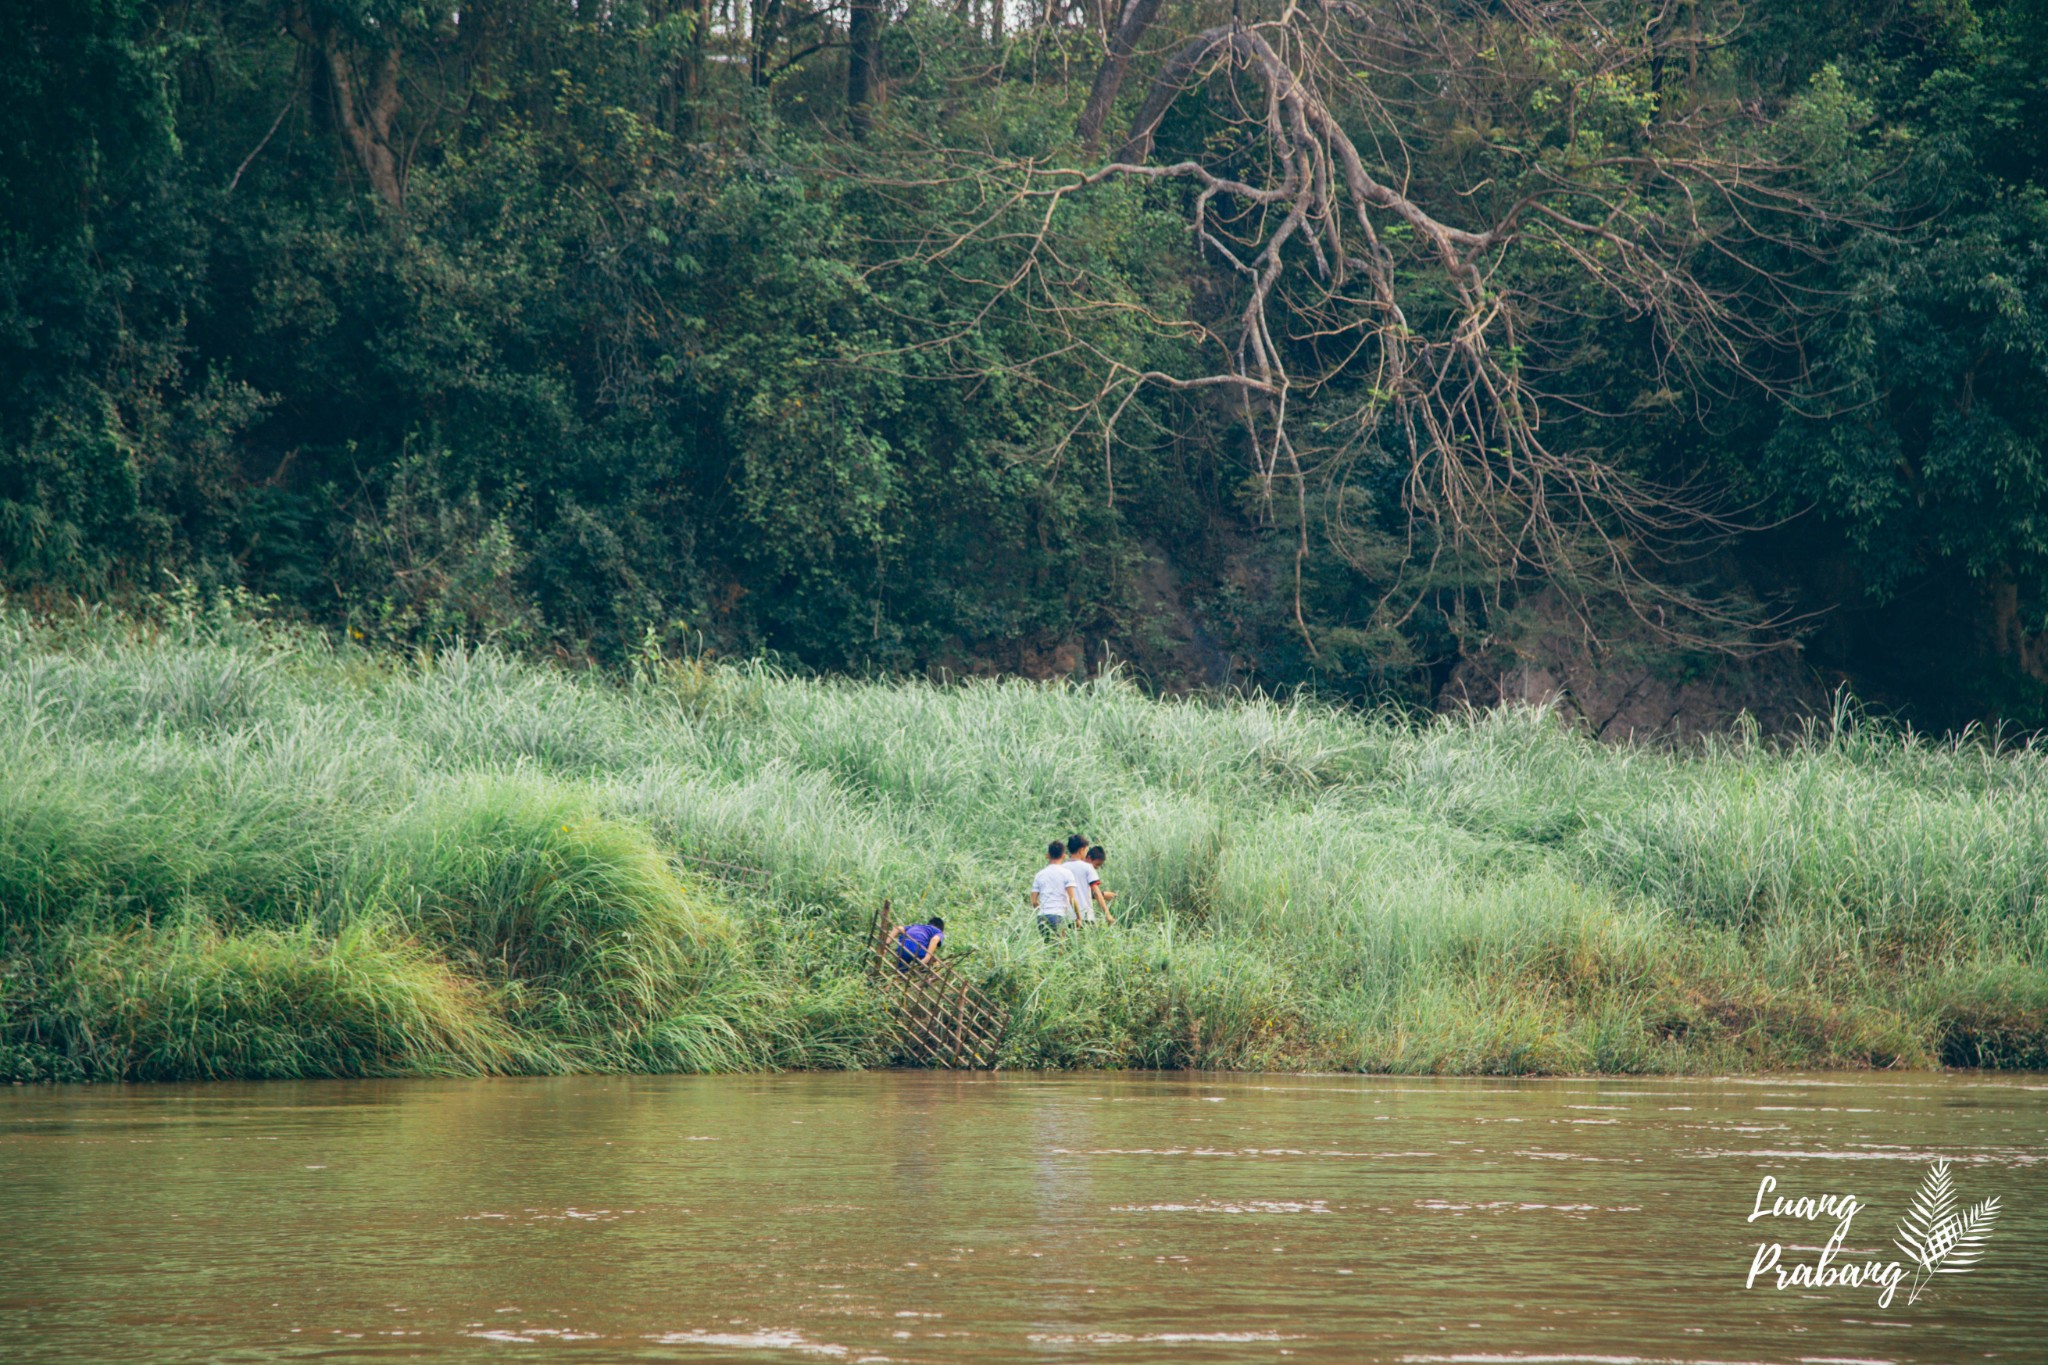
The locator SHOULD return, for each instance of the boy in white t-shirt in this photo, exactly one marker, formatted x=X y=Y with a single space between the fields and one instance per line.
x=1085 y=877
x=1052 y=890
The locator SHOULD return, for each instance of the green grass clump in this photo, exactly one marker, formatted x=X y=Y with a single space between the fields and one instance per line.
x=182 y=1002
x=234 y=850
x=585 y=924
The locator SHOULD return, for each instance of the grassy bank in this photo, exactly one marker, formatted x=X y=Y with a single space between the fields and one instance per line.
x=227 y=850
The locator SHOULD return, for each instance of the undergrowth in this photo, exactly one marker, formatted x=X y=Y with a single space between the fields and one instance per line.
x=233 y=849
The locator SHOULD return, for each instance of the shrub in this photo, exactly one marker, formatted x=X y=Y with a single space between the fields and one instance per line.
x=185 y=1001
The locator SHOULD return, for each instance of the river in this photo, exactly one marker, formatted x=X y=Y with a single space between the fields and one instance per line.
x=952 y=1217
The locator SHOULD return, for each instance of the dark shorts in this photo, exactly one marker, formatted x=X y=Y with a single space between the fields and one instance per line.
x=1051 y=925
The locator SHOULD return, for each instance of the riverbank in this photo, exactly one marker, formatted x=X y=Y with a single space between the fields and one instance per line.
x=228 y=849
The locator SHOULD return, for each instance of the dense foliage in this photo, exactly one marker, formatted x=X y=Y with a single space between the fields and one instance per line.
x=557 y=325
x=229 y=851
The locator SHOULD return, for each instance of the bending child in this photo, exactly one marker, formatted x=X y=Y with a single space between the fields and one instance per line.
x=917 y=942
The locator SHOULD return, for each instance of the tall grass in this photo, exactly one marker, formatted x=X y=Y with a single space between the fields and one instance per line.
x=228 y=849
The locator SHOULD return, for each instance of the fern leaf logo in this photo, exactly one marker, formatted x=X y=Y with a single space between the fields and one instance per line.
x=1938 y=1239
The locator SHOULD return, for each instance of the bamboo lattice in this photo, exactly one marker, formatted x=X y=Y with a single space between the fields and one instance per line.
x=936 y=1016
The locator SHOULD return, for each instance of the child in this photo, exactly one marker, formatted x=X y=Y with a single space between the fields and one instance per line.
x=1053 y=891
x=917 y=942
x=1083 y=873
x=1097 y=855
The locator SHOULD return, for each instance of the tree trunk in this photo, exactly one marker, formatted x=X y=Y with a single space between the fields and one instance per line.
x=366 y=115
x=1131 y=24
x=767 y=24
x=694 y=68
x=364 y=106
x=863 y=64
x=2004 y=632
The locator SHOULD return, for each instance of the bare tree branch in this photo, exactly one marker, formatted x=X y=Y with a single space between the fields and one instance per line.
x=1379 y=319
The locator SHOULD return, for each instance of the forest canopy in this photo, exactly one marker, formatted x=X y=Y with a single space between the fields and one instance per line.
x=1379 y=347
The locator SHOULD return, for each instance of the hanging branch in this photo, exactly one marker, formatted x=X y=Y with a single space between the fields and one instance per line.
x=1350 y=286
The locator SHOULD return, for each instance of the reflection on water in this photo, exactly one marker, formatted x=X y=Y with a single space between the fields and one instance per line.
x=933 y=1217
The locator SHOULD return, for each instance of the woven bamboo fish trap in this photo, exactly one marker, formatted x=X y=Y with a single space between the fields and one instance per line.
x=936 y=1016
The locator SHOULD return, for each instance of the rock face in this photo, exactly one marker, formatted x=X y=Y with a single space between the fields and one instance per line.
x=1630 y=686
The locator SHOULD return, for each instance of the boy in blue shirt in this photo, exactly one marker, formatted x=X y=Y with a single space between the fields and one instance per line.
x=917 y=942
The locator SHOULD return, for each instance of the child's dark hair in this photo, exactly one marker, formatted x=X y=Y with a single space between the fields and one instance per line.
x=1055 y=849
x=937 y=922
x=1097 y=853
x=1077 y=844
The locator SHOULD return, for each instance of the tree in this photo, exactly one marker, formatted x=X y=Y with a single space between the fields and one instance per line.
x=863 y=61
x=1132 y=22
x=1918 y=454
x=1385 y=308
x=1258 y=343
x=358 y=55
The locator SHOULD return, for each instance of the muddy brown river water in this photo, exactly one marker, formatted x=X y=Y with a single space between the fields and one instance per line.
x=938 y=1217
